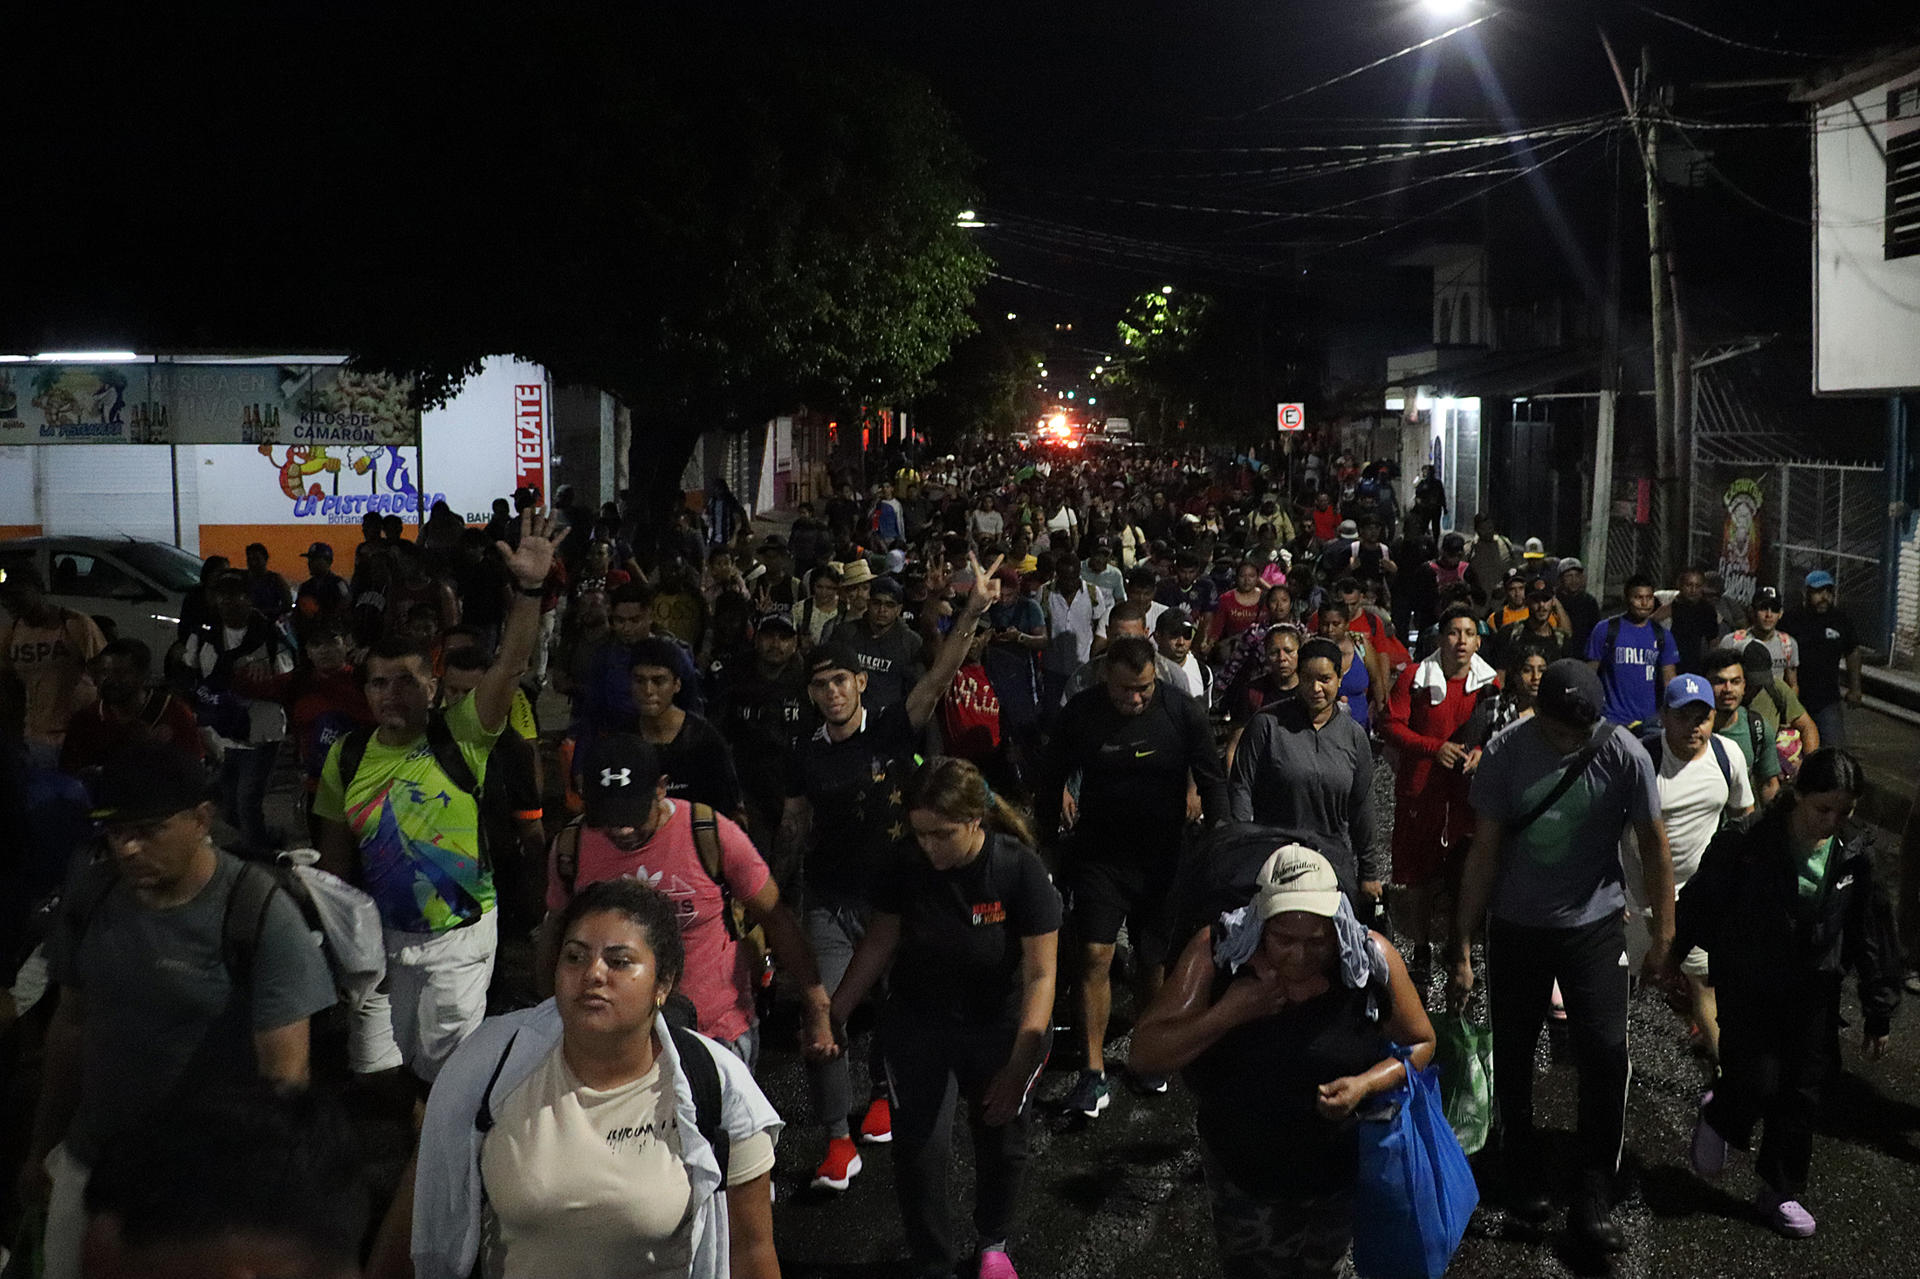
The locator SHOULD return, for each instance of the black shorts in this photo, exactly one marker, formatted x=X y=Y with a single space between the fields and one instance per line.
x=1107 y=893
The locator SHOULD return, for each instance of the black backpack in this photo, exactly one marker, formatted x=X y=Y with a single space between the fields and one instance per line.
x=703 y=1080
x=1219 y=869
x=242 y=921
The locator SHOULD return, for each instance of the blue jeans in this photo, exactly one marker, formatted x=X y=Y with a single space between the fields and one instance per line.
x=1832 y=723
x=244 y=773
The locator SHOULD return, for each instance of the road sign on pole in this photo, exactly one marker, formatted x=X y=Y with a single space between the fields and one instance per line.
x=1293 y=417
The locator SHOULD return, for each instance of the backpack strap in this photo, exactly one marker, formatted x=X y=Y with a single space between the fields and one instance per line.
x=1756 y=733
x=1726 y=764
x=706 y=839
x=483 y=1117
x=1568 y=777
x=1613 y=637
x=245 y=919
x=353 y=749
x=440 y=740
x=448 y=755
x=703 y=1081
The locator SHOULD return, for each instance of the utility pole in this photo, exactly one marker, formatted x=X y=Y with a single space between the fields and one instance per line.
x=1600 y=499
x=1667 y=459
x=1672 y=380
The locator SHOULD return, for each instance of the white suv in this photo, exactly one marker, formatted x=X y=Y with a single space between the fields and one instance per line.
x=132 y=588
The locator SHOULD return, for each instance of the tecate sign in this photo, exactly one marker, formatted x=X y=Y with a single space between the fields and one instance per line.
x=530 y=435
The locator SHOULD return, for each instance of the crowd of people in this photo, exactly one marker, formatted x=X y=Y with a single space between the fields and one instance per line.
x=948 y=759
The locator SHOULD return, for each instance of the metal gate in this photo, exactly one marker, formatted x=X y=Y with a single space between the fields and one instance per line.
x=1764 y=514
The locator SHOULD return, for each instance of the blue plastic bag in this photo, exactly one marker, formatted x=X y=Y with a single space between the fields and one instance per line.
x=1415 y=1192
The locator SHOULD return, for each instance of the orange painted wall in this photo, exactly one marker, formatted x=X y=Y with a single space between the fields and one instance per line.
x=285 y=544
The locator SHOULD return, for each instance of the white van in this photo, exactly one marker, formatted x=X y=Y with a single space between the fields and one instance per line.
x=131 y=587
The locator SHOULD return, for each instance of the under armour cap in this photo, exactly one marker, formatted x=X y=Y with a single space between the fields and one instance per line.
x=1296 y=878
x=1570 y=690
x=618 y=780
x=149 y=782
x=1685 y=690
x=1819 y=579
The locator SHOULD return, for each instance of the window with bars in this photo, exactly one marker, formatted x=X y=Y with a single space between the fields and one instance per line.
x=1903 y=171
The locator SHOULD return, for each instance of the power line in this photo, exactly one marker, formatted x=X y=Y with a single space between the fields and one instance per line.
x=1729 y=41
x=1377 y=62
x=1536 y=166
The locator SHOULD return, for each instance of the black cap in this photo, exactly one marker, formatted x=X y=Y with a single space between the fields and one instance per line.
x=1767 y=597
x=1570 y=690
x=884 y=588
x=776 y=622
x=1756 y=659
x=1142 y=576
x=1174 y=622
x=149 y=782
x=618 y=780
x=1453 y=542
x=833 y=656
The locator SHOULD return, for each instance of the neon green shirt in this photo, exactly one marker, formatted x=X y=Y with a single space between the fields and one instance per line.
x=419 y=834
x=1810 y=870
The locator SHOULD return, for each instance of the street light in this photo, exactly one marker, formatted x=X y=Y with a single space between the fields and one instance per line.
x=968 y=218
x=1167 y=289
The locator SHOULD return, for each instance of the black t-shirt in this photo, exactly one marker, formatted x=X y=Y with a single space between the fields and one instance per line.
x=699 y=767
x=761 y=717
x=892 y=661
x=960 y=930
x=1133 y=787
x=1694 y=628
x=1825 y=639
x=859 y=808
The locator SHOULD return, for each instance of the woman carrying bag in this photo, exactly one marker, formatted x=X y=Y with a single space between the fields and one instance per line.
x=969 y=921
x=1282 y=1018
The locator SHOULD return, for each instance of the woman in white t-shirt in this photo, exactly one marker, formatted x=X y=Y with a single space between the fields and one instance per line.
x=566 y=1139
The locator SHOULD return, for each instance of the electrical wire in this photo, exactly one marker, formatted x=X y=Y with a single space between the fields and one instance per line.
x=1424 y=214
x=1377 y=62
x=1729 y=41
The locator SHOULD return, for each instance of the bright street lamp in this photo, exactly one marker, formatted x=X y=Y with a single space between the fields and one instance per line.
x=1448 y=8
x=1167 y=289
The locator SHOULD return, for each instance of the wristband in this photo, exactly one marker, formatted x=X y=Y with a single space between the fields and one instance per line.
x=531 y=592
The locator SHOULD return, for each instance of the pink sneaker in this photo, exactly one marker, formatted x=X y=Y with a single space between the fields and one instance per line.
x=1786 y=1216
x=995 y=1265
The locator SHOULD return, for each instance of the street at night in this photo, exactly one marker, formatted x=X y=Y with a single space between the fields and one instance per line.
x=1275 y=639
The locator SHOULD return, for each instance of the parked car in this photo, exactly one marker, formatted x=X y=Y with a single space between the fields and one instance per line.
x=130 y=587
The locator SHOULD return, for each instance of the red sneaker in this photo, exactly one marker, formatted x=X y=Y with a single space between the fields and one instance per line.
x=877 y=1128
x=840 y=1167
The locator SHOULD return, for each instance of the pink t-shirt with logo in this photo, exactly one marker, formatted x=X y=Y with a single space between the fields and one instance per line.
x=715 y=978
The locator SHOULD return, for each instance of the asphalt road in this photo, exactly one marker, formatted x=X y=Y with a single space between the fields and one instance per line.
x=1123 y=1195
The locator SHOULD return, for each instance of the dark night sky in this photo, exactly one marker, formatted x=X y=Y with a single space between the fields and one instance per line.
x=1088 y=120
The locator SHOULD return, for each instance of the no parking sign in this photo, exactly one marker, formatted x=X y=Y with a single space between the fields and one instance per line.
x=1293 y=417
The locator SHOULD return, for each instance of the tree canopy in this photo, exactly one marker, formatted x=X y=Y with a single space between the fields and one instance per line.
x=667 y=207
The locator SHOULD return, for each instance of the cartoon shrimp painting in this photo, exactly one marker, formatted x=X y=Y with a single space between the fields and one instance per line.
x=302 y=460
